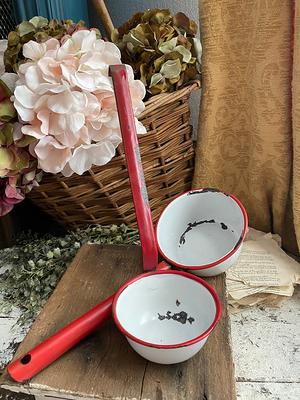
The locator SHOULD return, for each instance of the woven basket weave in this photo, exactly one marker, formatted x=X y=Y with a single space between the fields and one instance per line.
x=102 y=195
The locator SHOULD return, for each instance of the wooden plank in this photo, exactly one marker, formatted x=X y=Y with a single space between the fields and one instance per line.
x=104 y=366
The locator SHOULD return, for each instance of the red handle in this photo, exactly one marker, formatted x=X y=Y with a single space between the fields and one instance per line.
x=134 y=165
x=52 y=348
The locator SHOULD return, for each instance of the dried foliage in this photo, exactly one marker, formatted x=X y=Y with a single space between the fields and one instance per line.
x=32 y=269
x=163 y=50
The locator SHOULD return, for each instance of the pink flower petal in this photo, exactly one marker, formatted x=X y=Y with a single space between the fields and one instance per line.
x=60 y=103
x=88 y=41
x=41 y=103
x=138 y=92
x=80 y=100
x=84 y=80
x=112 y=49
x=52 y=44
x=84 y=136
x=33 y=77
x=25 y=96
x=68 y=138
x=5 y=208
x=75 y=121
x=52 y=155
x=57 y=124
x=50 y=69
x=106 y=134
x=43 y=116
x=85 y=156
x=34 y=50
x=84 y=39
x=67 y=71
x=140 y=129
x=113 y=121
x=67 y=171
x=24 y=113
x=12 y=193
x=33 y=130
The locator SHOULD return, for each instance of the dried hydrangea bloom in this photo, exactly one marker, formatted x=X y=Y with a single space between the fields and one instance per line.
x=66 y=96
x=163 y=50
x=18 y=167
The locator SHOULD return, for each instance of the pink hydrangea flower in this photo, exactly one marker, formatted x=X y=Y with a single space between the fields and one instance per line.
x=65 y=95
x=9 y=195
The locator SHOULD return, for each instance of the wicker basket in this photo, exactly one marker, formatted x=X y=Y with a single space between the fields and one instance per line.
x=102 y=195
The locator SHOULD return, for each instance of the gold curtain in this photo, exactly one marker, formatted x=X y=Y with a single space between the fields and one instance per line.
x=249 y=135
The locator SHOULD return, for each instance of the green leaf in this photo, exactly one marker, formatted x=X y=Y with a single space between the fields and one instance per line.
x=25 y=27
x=39 y=22
x=187 y=55
x=25 y=141
x=7 y=110
x=6 y=158
x=20 y=159
x=155 y=79
x=171 y=69
x=13 y=38
x=167 y=47
x=4 y=91
x=6 y=135
x=197 y=49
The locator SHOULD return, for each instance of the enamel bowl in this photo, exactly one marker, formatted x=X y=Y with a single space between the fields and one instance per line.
x=166 y=316
x=202 y=231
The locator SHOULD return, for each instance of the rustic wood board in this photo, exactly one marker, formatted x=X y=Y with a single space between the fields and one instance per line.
x=104 y=366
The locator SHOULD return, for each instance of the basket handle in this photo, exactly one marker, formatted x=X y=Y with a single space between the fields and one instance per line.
x=105 y=17
x=134 y=165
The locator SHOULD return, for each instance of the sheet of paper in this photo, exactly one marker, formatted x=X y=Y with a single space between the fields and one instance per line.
x=263 y=272
x=263 y=263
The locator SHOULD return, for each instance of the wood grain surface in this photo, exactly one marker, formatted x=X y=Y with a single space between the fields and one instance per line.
x=104 y=366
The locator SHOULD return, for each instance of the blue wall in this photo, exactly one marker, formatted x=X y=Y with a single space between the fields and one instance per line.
x=61 y=9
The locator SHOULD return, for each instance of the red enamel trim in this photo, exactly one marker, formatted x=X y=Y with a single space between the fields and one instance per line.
x=224 y=258
x=168 y=346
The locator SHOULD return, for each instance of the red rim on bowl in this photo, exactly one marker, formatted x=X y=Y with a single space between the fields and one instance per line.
x=220 y=260
x=168 y=346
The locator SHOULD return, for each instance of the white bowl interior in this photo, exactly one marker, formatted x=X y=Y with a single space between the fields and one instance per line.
x=200 y=227
x=165 y=309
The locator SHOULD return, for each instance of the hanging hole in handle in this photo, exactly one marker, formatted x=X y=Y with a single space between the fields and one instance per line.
x=26 y=359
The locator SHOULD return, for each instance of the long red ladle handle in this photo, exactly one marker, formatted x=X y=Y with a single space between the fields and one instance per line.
x=52 y=348
x=134 y=165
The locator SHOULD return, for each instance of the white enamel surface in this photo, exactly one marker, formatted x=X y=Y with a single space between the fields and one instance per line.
x=139 y=305
x=167 y=356
x=219 y=268
x=207 y=242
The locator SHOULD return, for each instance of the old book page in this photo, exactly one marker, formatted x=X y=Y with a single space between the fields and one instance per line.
x=263 y=271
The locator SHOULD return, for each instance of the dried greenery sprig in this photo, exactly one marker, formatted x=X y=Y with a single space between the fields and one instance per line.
x=32 y=268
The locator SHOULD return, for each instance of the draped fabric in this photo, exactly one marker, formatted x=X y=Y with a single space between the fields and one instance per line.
x=249 y=129
x=60 y=9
